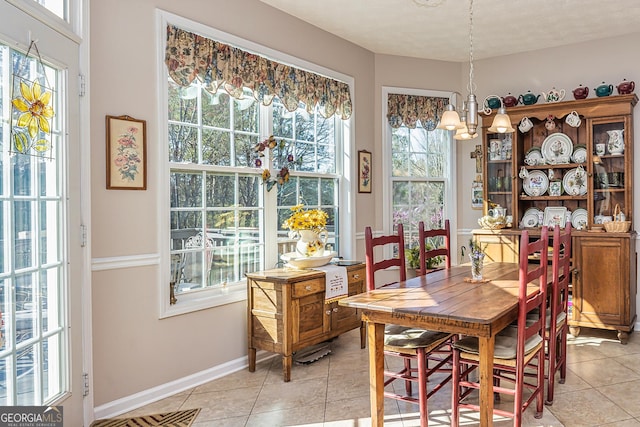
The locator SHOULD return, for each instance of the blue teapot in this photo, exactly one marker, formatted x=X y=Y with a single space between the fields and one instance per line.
x=528 y=98
x=493 y=102
x=604 y=89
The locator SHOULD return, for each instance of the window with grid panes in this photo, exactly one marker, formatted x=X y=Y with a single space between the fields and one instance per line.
x=221 y=214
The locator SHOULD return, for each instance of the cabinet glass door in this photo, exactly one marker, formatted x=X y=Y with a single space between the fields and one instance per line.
x=609 y=175
x=499 y=177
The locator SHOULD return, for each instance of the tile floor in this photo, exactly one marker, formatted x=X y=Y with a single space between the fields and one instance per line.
x=602 y=389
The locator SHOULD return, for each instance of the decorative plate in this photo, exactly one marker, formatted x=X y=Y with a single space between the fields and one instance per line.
x=534 y=157
x=294 y=259
x=575 y=182
x=579 y=154
x=530 y=218
x=557 y=148
x=555 y=216
x=536 y=184
x=579 y=219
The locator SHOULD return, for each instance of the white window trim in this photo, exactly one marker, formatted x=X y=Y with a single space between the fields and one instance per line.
x=345 y=165
x=450 y=203
x=72 y=29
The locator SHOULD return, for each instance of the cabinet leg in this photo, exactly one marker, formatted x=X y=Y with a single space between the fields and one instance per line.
x=623 y=337
x=575 y=330
x=363 y=335
x=286 y=368
x=252 y=359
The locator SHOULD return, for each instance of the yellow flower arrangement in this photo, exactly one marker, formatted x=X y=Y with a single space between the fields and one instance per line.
x=301 y=219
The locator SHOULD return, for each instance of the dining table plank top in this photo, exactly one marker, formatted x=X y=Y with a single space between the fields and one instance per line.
x=444 y=301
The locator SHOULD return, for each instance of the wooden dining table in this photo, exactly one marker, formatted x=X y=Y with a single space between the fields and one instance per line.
x=442 y=300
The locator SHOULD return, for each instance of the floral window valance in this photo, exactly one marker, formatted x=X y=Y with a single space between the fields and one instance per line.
x=408 y=109
x=189 y=56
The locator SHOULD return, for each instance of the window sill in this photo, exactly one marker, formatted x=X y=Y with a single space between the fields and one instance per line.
x=205 y=299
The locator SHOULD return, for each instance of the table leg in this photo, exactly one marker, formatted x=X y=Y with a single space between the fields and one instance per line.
x=487 y=347
x=375 y=335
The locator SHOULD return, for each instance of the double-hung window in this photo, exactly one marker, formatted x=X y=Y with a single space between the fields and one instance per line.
x=421 y=163
x=227 y=200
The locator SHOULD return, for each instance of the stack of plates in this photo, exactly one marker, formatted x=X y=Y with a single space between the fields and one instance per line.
x=531 y=218
x=579 y=154
x=579 y=219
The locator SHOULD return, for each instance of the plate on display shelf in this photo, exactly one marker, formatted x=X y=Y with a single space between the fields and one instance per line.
x=579 y=154
x=530 y=218
x=536 y=184
x=294 y=259
x=575 y=182
x=534 y=157
x=579 y=219
x=557 y=148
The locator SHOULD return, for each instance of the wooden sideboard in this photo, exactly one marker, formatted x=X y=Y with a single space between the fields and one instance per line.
x=603 y=280
x=287 y=312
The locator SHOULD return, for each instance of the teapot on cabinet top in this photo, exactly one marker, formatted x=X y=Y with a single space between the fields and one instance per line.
x=528 y=98
x=604 y=90
x=581 y=92
x=625 y=87
x=510 y=100
x=554 y=95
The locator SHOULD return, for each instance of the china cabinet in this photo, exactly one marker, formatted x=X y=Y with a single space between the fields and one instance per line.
x=287 y=311
x=570 y=164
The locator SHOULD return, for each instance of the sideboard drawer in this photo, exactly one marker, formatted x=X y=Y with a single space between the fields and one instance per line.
x=308 y=287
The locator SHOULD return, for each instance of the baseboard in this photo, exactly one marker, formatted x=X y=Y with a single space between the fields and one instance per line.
x=129 y=403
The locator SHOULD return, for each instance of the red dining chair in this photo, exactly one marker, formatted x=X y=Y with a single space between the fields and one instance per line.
x=519 y=347
x=410 y=344
x=557 y=316
x=430 y=246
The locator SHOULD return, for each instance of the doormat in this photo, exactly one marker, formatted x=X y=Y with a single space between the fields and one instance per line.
x=172 y=419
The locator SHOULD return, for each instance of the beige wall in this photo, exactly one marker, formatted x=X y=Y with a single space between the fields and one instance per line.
x=133 y=350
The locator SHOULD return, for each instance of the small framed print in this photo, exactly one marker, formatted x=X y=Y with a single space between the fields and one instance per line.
x=476 y=195
x=126 y=153
x=364 y=171
x=555 y=188
x=555 y=216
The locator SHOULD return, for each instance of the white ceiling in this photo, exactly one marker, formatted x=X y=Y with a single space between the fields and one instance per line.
x=440 y=29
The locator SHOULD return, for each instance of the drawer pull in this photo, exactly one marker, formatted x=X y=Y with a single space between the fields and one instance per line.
x=308 y=288
x=328 y=312
x=356 y=276
x=335 y=309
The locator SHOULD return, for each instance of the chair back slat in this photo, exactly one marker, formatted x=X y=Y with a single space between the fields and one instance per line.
x=427 y=254
x=561 y=266
x=530 y=272
x=373 y=264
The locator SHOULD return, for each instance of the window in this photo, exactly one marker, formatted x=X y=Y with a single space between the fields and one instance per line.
x=32 y=232
x=223 y=219
x=420 y=169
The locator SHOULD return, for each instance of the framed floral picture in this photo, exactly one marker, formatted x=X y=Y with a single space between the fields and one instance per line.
x=126 y=153
x=364 y=171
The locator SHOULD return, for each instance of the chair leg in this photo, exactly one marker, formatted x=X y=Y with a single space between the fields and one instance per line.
x=455 y=389
x=540 y=391
x=553 y=345
x=422 y=386
x=407 y=370
x=563 y=355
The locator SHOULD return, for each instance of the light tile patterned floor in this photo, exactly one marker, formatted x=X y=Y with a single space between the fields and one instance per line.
x=602 y=389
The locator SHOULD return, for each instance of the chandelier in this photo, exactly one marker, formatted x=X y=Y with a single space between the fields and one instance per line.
x=466 y=128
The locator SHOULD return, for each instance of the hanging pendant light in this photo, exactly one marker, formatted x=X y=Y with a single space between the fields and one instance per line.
x=501 y=122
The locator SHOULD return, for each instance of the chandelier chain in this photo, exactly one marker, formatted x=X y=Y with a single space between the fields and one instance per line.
x=471 y=46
